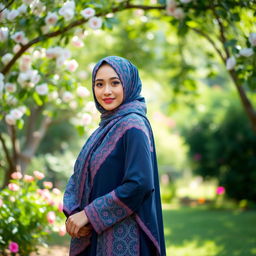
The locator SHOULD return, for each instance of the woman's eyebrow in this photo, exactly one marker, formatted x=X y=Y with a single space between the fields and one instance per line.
x=111 y=78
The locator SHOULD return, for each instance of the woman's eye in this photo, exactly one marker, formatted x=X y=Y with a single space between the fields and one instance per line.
x=116 y=82
x=99 y=84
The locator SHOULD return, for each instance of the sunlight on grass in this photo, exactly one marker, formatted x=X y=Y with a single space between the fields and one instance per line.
x=195 y=247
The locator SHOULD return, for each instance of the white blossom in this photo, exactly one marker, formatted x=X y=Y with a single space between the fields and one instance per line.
x=10 y=87
x=16 y=113
x=95 y=22
x=28 y=78
x=86 y=119
x=67 y=10
x=178 y=13
x=82 y=91
x=57 y=52
x=60 y=61
x=22 y=9
x=9 y=119
x=170 y=7
x=90 y=107
x=252 y=39
x=88 y=13
x=11 y=100
x=230 y=63
x=73 y=104
x=42 y=89
x=16 y=48
x=77 y=42
x=13 y=14
x=19 y=37
x=1 y=77
x=71 y=65
x=246 y=52
x=25 y=63
x=51 y=18
x=67 y=96
x=37 y=7
x=4 y=31
x=7 y=58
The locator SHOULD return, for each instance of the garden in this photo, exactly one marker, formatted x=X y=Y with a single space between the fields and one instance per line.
x=197 y=62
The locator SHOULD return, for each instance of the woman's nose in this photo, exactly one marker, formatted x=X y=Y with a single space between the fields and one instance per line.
x=107 y=90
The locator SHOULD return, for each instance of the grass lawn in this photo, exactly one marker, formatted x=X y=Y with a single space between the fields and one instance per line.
x=197 y=232
x=202 y=232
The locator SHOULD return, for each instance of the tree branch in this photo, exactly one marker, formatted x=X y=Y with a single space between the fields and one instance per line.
x=208 y=38
x=9 y=4
x=74 y=24
x=8 y=157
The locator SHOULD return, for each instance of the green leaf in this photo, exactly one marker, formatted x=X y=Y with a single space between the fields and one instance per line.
x=37 y=99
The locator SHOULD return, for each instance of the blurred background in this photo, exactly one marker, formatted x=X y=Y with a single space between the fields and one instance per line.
x=205 y=141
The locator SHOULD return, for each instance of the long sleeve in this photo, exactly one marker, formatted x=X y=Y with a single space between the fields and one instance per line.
x=136 y=186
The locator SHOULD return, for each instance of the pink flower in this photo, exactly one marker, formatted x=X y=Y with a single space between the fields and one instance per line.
x=197 y=156
x=13 y=247
x=72 y=65
x=77 y=42
x=62 y=231
x=56 y=191
x=28 y=178
x=88 y=13
x=95 y=22
x=16 y=175
x=220 y=190
x=1 y=202
x=51 y=18
x=19 y=37
x=60 y=207
x=47 y=184
x=38 y=175
x=51 y=217
x=13 y=187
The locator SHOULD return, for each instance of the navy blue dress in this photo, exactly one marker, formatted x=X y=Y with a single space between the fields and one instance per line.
x=124 y=206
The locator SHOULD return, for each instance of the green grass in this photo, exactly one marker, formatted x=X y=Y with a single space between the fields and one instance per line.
x=202 y=232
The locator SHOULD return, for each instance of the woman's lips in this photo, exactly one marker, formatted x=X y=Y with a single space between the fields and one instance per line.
x=108 y=101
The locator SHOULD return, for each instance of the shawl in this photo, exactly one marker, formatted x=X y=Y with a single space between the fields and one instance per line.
x=79 y=186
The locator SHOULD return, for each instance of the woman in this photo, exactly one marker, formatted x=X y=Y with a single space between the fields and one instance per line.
x=112 y=200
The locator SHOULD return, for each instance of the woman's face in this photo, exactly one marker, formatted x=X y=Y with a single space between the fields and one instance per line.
x=108 y=88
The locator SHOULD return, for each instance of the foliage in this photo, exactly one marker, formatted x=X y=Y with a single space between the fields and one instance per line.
x=226 y=150
x=28 y=214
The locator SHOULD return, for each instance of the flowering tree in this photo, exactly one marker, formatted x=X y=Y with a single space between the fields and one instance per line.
x=37 y=83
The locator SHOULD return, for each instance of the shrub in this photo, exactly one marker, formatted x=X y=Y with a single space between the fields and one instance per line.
x=28 y=214
x=225 y=150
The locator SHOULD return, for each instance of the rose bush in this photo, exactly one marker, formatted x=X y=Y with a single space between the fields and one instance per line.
x=28 y=214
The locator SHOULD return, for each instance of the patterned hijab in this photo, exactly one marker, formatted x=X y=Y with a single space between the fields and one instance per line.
x=79 y=186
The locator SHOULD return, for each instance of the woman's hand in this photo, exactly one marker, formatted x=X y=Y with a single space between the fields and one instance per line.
x=75 y=222
x=85 y=231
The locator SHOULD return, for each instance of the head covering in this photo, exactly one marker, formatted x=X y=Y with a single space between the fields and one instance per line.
x=78 y=189
x=129 y=77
